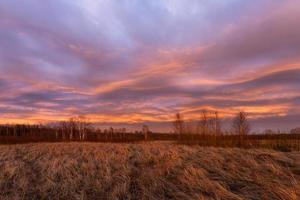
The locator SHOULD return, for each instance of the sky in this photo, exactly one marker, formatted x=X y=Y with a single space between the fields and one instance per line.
x=133 y=62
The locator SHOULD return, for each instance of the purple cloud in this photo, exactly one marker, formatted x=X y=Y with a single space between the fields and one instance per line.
x=145 y=60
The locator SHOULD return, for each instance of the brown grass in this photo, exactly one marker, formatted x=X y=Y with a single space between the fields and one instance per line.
x=154 y=170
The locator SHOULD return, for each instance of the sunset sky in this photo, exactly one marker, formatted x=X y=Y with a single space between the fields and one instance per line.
x=140 y=61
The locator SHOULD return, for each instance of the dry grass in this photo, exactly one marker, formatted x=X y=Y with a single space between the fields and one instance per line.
x=154 y=170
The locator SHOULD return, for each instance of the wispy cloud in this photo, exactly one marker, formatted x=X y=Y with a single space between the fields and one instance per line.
x=142 y=61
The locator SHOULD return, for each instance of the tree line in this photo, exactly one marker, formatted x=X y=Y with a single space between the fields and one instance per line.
x=207 y=131
x=75 y=129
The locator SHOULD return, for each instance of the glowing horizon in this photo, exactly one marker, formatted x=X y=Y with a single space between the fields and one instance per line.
x=135 y=62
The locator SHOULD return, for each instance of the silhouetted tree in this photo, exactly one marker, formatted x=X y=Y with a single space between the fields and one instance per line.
x=269 y=132
x=178 y=125
x=145 y=131
x=217 y=123
x=241 y=126
x=72 y=128
x=295 y=131
x=204 y=123
x=83 y=125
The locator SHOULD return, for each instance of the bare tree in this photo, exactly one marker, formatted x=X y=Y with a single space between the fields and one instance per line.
x=83 y=125
x=204 y=123
x=217 y=123
x=178 y=125
x=145 y=131
x=56 y=133
x=295 y=130
x=72 y=125
x=241 y=126
x=63 y=127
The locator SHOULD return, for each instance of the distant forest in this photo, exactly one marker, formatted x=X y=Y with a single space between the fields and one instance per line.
x=207 y=132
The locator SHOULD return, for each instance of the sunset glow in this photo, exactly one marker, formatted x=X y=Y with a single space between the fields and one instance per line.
x=137 y=62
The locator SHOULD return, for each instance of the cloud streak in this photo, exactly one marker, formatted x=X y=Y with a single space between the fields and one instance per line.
x=140 y=62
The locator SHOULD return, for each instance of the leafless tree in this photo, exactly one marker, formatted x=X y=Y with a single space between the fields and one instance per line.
x=269 y=132
x=83 y=125
x=295 y=131
x=241 y=126
x=204 y=123
x=72 y=126
x=217 y=123
x=178 y=125
x=63 y=127
x=145 y=131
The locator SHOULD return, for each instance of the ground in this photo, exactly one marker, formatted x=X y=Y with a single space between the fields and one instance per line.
x=154 y=170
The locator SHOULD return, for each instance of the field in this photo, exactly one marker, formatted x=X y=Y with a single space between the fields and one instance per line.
x=152 y=170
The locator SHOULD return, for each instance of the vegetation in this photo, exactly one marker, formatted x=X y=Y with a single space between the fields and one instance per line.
x=152 y=170
x=206 y=132
x=179 y=168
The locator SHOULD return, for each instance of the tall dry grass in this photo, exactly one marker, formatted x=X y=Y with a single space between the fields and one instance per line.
x=154 y=170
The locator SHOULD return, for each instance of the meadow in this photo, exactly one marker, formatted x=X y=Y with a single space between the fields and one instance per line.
x=146 y=170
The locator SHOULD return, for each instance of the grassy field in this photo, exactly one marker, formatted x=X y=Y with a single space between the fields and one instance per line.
x=154 y=170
